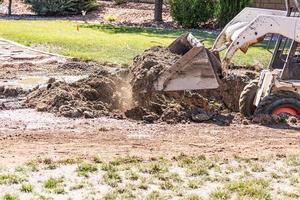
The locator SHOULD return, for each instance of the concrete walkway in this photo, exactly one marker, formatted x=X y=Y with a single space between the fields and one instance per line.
x=13 y=53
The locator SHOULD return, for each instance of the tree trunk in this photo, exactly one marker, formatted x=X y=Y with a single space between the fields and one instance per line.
x=9 y=7
x=158 y=10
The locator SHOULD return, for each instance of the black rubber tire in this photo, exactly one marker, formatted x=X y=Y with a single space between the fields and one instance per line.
x=247 y=108
x=277 y=99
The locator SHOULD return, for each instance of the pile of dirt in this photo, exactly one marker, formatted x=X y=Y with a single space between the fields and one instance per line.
x=97 y=95
x=107 y=93
x=196 y=106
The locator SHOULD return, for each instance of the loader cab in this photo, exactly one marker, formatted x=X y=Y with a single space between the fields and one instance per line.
x=291 y=67
x=285 y=57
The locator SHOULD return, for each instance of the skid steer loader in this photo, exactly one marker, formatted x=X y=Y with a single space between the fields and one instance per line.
x=278 y=88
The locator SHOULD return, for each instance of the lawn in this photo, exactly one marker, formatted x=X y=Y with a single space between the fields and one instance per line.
x=104 y=43
x=184 y=177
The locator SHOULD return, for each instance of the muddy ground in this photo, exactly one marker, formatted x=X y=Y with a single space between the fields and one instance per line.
x=28 y=134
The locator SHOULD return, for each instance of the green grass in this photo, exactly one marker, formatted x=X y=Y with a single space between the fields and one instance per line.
x=26 y=187
x=53 y=183
x=10 y=179
x=112 y=178
x=9 y=197
x=105 y=43
x=255 y=189
x=84 y=169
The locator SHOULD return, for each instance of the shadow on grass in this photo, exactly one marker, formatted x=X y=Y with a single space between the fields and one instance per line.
x=157 y=32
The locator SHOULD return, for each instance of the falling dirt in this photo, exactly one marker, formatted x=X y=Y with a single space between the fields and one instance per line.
x=196 y=106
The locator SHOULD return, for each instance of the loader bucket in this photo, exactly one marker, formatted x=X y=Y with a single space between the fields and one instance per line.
x=198 y=68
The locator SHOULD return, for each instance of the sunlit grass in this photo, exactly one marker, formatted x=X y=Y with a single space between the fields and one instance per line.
x=104 y=43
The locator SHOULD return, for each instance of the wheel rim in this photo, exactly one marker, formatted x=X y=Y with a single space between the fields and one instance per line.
x=285 y=109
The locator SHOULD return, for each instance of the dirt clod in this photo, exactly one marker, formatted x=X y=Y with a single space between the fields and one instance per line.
x=264 y=119
x=11 y=91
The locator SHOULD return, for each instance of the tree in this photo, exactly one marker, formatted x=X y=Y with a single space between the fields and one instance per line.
x=158 y=10
x=9 y=7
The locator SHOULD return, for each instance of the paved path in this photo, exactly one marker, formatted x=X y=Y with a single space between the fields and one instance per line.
x=13 y=53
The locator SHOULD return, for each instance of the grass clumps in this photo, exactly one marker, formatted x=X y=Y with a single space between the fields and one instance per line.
x=110 y=196
x=193 y=197
x=195 y=183
x=126 y=160
x=195 y=165
x=155 y=195
x=10 y=197
x=69 y=161
x=55 y=185
x=255 y=188
x=108 y=167
x=257 y=167
x=77 y=186
x=112 y=178
x=219 y=194
x=33 y=165
x=143 y=185
x=10 y=179
x=132 y=175
x=167 y=185
x=26 y=187
x=155 y=167
x=120 y=193
x=84 y=169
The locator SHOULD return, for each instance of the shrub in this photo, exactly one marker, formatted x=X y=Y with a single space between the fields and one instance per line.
x=61 y=7
x=191 y=13
x=228 y=9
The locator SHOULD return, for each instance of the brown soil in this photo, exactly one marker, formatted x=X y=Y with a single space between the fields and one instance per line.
x=114 y=138
x=26 y=134
x=98 y=95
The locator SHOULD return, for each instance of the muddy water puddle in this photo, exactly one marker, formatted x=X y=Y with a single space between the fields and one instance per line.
x=27 y=82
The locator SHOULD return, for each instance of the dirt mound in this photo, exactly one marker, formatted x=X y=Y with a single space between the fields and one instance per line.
x=107 y=93
x=94 y=96
x=197 y=106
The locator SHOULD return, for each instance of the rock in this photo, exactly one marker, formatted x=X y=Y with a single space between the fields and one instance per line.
x=88 y=114
x=70 y=112
x=293 y=120
x=2 y=88
x=201 y=117
x=11 y=92
x=150 y=118
x=51 y=80
x=41 y=107
x=2 y=106
x=136 y=113
x=245 y=122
